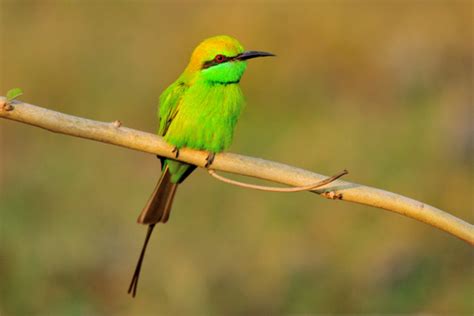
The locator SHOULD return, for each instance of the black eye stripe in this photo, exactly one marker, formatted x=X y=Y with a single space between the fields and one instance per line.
x=213 y=61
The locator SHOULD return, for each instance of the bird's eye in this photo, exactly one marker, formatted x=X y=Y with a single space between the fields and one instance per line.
x=219 y=58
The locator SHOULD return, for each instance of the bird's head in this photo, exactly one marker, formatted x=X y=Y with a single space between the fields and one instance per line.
x=221 y=59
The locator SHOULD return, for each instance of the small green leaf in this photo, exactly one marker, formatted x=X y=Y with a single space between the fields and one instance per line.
x=14 y=93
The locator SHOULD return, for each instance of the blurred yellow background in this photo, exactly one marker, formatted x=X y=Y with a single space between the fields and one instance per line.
x=382 y=88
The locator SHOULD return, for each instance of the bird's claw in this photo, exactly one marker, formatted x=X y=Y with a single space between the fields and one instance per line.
x=176 y=151
x=209 y=160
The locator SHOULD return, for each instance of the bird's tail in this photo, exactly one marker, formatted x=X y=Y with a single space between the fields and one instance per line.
x=159 y=205
x=157 y=210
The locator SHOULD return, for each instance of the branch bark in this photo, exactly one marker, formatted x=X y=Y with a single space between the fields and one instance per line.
x=114 y=133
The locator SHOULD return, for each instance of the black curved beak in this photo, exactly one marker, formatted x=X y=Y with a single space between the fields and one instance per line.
x=253 y=54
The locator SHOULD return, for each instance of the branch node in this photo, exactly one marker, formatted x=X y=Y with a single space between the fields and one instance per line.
x=6 y=106
x=332 y=195
x=117 y=123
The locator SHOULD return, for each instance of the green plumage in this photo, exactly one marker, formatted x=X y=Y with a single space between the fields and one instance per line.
x=201 y=108
x=202 y=116
x=199 y=111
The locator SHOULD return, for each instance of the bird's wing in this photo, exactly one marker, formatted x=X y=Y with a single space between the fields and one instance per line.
x=170 y=100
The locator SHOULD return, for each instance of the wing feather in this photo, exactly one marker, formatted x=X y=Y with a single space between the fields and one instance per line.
x=170 y=100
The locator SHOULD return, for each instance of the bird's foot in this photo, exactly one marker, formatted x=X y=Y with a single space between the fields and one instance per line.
x=176 y=151
x=210 y=159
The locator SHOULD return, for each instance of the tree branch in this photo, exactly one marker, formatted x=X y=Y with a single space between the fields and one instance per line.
x=114 y=133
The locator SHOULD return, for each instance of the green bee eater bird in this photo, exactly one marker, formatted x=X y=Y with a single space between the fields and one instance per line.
x=199 y=111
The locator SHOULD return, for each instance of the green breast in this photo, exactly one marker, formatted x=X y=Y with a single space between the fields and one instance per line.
x=207 y=117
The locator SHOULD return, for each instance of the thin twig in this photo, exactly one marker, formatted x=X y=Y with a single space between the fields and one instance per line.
x=308 y=187
x=238 y=164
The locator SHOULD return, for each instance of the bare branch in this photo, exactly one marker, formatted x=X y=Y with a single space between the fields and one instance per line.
x=115 y=133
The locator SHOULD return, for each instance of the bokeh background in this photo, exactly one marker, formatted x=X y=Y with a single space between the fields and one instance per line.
x=382 y=88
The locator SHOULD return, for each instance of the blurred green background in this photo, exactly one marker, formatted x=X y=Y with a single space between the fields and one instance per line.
x=382 y=88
